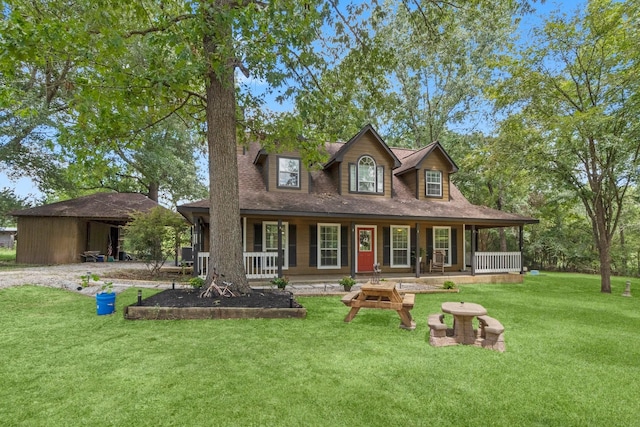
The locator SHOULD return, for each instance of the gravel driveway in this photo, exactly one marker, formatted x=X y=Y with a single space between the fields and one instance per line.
x=67 y=276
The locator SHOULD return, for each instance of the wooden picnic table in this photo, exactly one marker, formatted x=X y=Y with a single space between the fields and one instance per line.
x=382 y=296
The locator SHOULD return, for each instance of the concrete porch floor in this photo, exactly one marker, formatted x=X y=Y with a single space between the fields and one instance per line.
x=325 y=284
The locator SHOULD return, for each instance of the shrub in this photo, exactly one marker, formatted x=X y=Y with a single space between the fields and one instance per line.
x=449 y=285
x=347 y=282
x=280 y=282
x=154 y=235
x=196 y=282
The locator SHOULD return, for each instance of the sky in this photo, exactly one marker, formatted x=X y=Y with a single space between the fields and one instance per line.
x=24 y=187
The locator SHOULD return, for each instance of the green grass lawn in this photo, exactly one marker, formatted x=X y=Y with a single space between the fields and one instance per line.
x=572 y=359
x=7 y=255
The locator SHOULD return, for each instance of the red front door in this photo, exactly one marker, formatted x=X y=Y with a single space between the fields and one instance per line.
x=366 y=248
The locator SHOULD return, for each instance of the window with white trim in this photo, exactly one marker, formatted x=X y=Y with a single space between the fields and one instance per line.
x=400 y=245
x=270 y=240
x=328 y=245
x=288 y=172
x=365 y=176
x=433 y=183
x=442 y=242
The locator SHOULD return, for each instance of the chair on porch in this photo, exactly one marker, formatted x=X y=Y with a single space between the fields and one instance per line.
x=437 y=262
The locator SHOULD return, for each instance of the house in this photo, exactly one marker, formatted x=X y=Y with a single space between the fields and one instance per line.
x=7 y=237
x=58 y=233
x=368 y=204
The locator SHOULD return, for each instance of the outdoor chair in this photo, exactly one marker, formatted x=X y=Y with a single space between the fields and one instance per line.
x=437 y=262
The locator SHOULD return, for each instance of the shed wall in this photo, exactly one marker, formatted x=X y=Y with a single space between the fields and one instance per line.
x=48 y=240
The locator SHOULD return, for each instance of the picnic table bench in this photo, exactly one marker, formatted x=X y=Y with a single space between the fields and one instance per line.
x=490 y=333
x=90 y=256
x=381 y=296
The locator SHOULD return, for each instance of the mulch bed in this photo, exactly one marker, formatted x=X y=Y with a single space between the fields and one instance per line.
x=190 y=298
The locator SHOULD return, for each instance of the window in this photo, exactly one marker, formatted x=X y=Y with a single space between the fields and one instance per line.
x=400 y=243
x=329 y=245
x=288 y=172
x=433 y=183
x=365 y=176
x=442 y=242
x=270 y=240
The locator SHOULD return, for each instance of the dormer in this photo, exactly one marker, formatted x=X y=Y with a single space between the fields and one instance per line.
x=427 y=172
x=283 y=171
x=364 y=165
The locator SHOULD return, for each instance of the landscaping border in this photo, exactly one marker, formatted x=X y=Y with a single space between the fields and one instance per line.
x=135 y=312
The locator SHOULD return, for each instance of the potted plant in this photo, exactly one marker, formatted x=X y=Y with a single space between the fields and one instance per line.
x=106 y=298
x=280 y=282
x=347 y=282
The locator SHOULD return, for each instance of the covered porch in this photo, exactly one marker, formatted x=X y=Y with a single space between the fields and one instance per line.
x=401 y=249
x=266 y=266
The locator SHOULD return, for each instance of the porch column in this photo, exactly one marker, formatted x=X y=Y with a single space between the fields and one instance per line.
x=195 y=238
x=521 y=244
x=280 y=252
x=464 y=247
x=474 y=241
x=352 y=261
x=417 y=261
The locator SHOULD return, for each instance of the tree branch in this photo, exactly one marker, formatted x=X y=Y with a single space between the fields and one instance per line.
x=158 y=29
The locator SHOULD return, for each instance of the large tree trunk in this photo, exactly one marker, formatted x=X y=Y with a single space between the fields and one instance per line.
x=224 y=207
x=603 y=243
x=154 y=188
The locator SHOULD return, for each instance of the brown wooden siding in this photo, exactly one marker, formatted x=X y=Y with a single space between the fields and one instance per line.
x=303 y=239
x=437 y=162
x=367 y=146
x=49 y=240
x=99 y=237
x=55 y=240
x=272 y=174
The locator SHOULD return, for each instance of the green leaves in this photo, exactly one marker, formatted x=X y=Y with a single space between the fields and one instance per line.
x=153 y=236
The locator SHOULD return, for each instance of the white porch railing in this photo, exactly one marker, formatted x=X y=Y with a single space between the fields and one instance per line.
x=203 y=263
x=257 y=265
x=498 y=262
x=261 y=265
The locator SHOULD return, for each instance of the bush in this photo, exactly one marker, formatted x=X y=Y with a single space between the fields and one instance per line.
x=196 y=282
x=280 y=282
x=449 y=285
x=347 y=282
x=154 y=235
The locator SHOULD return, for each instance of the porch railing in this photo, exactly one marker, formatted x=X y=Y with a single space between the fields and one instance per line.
x=498 y=262
x=257 y=265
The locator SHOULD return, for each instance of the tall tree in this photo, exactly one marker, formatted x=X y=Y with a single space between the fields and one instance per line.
x=575 y=91
x=35 y=84
x=44 y=68
x=190 y=54
x=412 y=68
x=9 y=202
x=160 y=162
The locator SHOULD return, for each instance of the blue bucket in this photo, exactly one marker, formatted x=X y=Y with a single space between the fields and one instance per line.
x=106 y=303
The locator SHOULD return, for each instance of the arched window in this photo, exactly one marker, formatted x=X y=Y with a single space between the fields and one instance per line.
x=365 y=176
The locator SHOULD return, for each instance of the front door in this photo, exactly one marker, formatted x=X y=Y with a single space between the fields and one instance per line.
x=366 y=248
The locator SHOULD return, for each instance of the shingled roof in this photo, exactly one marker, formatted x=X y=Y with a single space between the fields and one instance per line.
x=413 y=160
x=323 y=199
x=105 y=206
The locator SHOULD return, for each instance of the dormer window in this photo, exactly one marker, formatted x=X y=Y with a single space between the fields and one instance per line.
x=433 y=180
x=288 y=172
x=365 y=176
